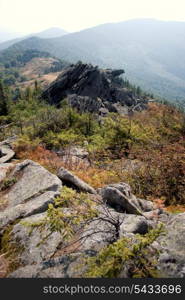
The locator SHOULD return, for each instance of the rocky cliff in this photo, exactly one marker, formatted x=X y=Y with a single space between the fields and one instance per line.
x=91 y=89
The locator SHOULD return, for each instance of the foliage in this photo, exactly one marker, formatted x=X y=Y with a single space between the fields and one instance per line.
x=11 y=249
x=7 y=183
x=162 y=174
x=69 y=211
x=19 y=58
x=3 y=101
x=154 y=137
x=138 y=256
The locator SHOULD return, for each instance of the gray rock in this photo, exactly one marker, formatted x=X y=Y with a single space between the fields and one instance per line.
x=33 y=240
x=69 y=179
x=6 y=153
x=74 y=151
x=113 y=197
x=34 y=206
x=67 y=266
x=98 y=234
x=4 y=169
x=33 y=190
x=108 y=227
x=150 y=215
x=134 y=224
x=32 y=181
x=74 y=161
x=172 y=241
x=120 y=197
x=29 y=271
x=9 y=141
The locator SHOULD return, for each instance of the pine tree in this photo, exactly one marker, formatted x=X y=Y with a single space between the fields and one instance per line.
x=3 y=101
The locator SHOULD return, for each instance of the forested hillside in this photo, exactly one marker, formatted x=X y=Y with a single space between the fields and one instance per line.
x=151 y=52
x=23 y=67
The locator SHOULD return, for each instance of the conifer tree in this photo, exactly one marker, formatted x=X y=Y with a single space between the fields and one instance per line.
x=3 y=101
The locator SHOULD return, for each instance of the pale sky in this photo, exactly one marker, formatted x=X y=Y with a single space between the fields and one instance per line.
x=27 y=16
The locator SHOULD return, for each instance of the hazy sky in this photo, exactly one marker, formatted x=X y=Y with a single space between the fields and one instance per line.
x=73 y=15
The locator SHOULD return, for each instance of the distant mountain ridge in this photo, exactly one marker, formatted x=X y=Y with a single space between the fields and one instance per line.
x=50 y=33
x=6 y=35
x=150 y=51
x=45 y=34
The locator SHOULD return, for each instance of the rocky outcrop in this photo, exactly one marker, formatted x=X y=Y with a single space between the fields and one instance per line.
x=32 y=181
x=120 y=197
x=73 y=181
x=110 y=226
x=31 y=190
x=6 y=153
x=88 y=88
x=36 y=205
x=36 y=247
x=67 y=266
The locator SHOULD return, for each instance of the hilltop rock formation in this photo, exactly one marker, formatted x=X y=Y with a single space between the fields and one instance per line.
x=88 y=88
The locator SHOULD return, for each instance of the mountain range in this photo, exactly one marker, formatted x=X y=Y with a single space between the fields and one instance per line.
x=6 y=41
x=6 y=35
x=150 y=51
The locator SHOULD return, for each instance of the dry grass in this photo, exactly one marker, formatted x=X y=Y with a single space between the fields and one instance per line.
x=4 y=265
x=175 y=209
x=96 y=177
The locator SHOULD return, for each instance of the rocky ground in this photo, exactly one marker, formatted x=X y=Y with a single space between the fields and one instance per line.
x=28 y=189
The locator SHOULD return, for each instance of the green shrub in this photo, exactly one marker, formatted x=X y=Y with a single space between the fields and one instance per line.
x=58 y=219
x=111 y=260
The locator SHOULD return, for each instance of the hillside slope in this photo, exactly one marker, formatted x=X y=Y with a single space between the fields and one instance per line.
x=151 y=52
x=24 y=67
x=45 y=34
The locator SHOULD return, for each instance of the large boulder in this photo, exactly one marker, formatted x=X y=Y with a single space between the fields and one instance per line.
x=73 y=181
x=38 y=243
x=32 y=207
x=32 y=180
x=31 y=190
x=66 y=266
x=120 y=197
x=134 y=224
x=172 y=243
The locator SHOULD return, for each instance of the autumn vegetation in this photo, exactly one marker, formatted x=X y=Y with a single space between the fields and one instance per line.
x=146 y=149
